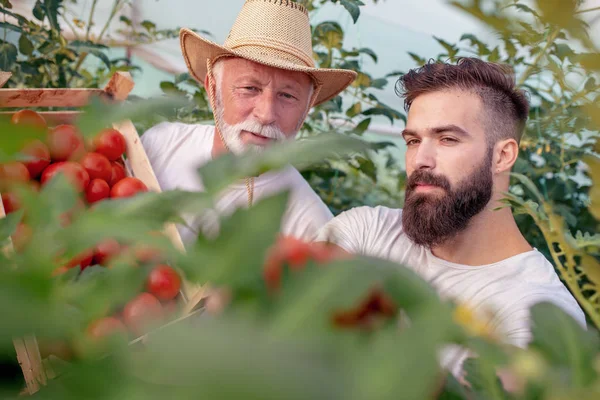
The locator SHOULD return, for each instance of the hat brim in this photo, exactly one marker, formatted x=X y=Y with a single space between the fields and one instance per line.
x=197 y=50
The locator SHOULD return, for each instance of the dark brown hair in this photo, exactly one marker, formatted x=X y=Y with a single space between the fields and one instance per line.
x=505 y=105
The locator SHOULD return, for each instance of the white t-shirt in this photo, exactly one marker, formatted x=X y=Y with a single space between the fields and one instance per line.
x=177 y=150
x=507 y=288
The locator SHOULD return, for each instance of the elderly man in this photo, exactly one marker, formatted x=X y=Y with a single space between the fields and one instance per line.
x=262 y=83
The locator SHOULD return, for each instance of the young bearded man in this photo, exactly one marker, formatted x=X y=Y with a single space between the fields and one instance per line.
x=261 y=83
x=464 y=125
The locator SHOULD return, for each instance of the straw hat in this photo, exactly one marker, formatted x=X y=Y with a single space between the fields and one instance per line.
x=271 y=32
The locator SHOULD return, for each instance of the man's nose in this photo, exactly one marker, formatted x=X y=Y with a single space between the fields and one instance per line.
x=265 y=108
x=425 y=156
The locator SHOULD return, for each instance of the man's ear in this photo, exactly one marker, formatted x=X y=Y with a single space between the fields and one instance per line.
x=505 y=155
x=206 y=82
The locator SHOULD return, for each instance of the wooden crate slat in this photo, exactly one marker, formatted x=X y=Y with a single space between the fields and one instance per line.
x=4 y=77
x=27 y=349
x=22 y=98
x=119 y=86
x=31 y=382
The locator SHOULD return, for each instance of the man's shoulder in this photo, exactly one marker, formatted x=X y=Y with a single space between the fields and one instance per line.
x=374 y=214
x=536 y=281
x=360 y=220
x=169 y=132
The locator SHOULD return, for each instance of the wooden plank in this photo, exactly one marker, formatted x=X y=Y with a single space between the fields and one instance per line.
x=31 y=383
x=4 y=77
x=28 y=352
x=119 y=86
x=20 y=98
x=142 y=169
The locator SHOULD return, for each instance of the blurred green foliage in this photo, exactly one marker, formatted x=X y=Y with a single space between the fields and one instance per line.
x=285 y=346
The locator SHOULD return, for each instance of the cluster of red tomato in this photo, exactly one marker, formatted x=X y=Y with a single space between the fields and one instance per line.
x=292 y=253
x=97 y=171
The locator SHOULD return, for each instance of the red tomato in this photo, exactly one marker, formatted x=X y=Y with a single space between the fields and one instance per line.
x=128 y=187
x=39 y=151
x=28 y=117
x=295 y=254
x=97 y=166
x=10 y=201
x=111 y=143
x=105 y=250
x=117 y=173
x=21 y=237
x=147 y=254
x=163 y=282
x=142 y=313
x=65 y=143
x=13 y=172
x=74 y=172
x=97 y=190
x=84 y=260
x=376 y=305
x=107 y=326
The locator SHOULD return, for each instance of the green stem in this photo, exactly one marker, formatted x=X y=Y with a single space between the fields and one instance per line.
x=564 y=271
x=588 y=10
x=116 y=7
x=66 y=21
x=90 y=20
x=538 y=57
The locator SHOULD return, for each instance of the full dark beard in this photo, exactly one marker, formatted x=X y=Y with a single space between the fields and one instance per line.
x=430 y=219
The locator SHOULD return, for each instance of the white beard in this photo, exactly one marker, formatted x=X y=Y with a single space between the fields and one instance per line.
x=232 y=133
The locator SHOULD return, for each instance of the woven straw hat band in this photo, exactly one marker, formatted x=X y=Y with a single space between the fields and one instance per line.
x=261 y=25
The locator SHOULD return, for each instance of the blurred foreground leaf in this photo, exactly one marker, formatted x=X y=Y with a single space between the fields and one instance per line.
x=223 y=171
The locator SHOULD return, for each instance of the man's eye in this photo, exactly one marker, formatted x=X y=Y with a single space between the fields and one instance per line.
x=250 y=88
x=288 y=96
x=411 y=142
x=449 y=140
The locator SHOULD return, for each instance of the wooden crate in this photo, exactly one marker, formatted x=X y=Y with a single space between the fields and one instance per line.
x=138 y=165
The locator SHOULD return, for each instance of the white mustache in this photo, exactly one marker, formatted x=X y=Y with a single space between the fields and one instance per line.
x=268 y=131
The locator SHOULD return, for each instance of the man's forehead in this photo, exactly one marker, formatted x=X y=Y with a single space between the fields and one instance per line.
x=442 y=108
x=246 y=67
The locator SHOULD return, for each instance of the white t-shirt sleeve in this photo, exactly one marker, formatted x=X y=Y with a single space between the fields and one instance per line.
x=306 y=215
x=363 y=230
x=515 y=322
